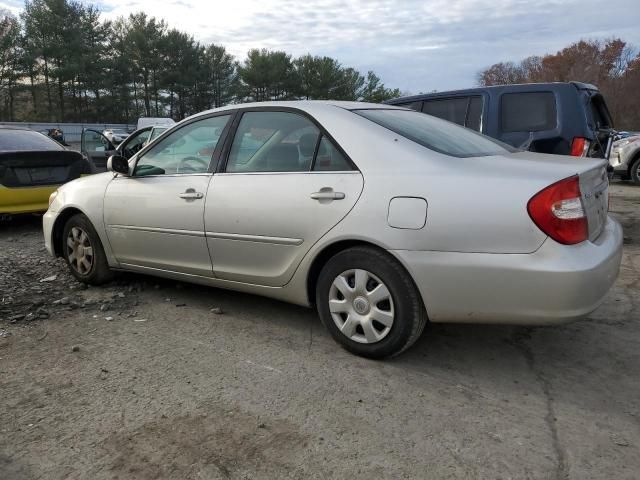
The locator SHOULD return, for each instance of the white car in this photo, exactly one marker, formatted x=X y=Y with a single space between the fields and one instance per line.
x=115 y=135
x=379 y=216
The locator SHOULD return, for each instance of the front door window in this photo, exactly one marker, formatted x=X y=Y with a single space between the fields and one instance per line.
x=187 y=150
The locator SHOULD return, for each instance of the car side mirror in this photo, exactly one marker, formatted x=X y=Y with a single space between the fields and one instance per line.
x=118 y=164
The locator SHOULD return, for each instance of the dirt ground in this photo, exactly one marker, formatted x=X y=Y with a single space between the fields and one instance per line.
x=141 y=379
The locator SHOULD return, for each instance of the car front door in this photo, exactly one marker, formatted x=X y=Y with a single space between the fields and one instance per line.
x=155 y=217
x=285 y=183
x=96 y=147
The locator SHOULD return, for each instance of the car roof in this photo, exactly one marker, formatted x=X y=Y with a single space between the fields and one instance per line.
x=308 y=106
x=478 y=90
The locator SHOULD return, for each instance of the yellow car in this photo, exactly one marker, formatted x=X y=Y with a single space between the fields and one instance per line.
x=32 y=166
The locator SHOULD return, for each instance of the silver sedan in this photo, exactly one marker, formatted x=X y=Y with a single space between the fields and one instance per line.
x=381 y=217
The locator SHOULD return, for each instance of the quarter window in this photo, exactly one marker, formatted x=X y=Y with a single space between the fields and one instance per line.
x=474 y=114
x=187 y=150
x=465 y=111
x=417 y=106
x=452 y=109
x=329 y=158
x=528 y=112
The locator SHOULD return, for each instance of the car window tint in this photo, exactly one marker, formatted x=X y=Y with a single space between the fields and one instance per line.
x=187 y=150
x=417 y=106
x=134 y=143
x=436 y=134
x=273 y=142
x=474 y=114
x=139 y=139
x=452 y=109
x=528 y=112
x=156 y=132
x=12 y=140
x=329 y=158
x=95 y=141
x=599 y=112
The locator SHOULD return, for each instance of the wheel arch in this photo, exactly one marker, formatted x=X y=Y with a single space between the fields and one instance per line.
x=58 y=228
x=332 y=249
x=633 y=161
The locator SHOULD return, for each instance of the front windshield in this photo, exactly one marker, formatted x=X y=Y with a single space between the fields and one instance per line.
x=436 y=134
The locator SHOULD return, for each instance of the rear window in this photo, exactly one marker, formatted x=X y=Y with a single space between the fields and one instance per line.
x=20 y=140
x=528 y=112
x=436 y=134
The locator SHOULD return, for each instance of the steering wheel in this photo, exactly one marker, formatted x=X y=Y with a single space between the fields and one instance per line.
x=192 y=165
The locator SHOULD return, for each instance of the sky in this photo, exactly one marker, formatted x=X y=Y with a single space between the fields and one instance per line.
x=414 y=45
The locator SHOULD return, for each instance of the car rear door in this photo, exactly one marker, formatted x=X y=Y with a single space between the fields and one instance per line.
x=285 y=183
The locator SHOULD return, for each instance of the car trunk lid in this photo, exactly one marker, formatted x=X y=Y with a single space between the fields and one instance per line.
x=37 y=168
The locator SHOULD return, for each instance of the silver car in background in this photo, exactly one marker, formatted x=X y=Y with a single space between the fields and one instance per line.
x=625 y=158
x=380 y=216
x=115 y=135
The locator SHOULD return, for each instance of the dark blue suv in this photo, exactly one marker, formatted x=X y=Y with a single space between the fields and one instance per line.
x=561 y=118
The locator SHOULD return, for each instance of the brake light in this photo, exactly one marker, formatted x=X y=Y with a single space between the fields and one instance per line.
x=557 y=211
x=579 y=147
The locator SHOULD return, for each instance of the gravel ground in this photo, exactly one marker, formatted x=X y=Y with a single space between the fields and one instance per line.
x=151 y=379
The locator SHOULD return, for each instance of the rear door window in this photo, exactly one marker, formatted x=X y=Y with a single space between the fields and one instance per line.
x=273 y=142
x=528 y=112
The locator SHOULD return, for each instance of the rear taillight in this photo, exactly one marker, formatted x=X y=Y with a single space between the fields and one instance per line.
x=579 y=147
x=557 y=211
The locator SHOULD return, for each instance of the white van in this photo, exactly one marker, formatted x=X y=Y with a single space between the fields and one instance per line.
x=154 y=121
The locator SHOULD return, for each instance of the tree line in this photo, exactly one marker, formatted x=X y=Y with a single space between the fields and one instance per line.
x=612 y=65
x=59 y=61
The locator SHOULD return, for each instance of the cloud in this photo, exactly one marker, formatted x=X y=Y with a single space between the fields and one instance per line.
x=416 y=45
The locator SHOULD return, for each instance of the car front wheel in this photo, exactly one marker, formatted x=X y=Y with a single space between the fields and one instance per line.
x=635 y=171
x=83 y=251
x=369 y=303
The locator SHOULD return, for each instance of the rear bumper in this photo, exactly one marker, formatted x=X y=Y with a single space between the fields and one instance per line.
x=555 y=284
x=25 y=199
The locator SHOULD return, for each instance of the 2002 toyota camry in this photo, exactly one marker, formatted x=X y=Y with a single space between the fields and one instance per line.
x=380 y=216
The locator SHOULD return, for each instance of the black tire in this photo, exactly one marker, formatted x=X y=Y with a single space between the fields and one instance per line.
x=635 y=171
x=98 y=272
x=408 y=310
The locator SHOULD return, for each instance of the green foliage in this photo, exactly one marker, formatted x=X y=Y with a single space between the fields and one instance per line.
x=61 y=62
x=10 y=62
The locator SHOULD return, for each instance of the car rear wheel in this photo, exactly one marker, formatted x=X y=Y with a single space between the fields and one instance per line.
x=83 y=251
x=635 y=171
x=369 y=303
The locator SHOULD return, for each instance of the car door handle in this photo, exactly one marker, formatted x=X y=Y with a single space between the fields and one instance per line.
x=327 y=195
x=191 y=195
